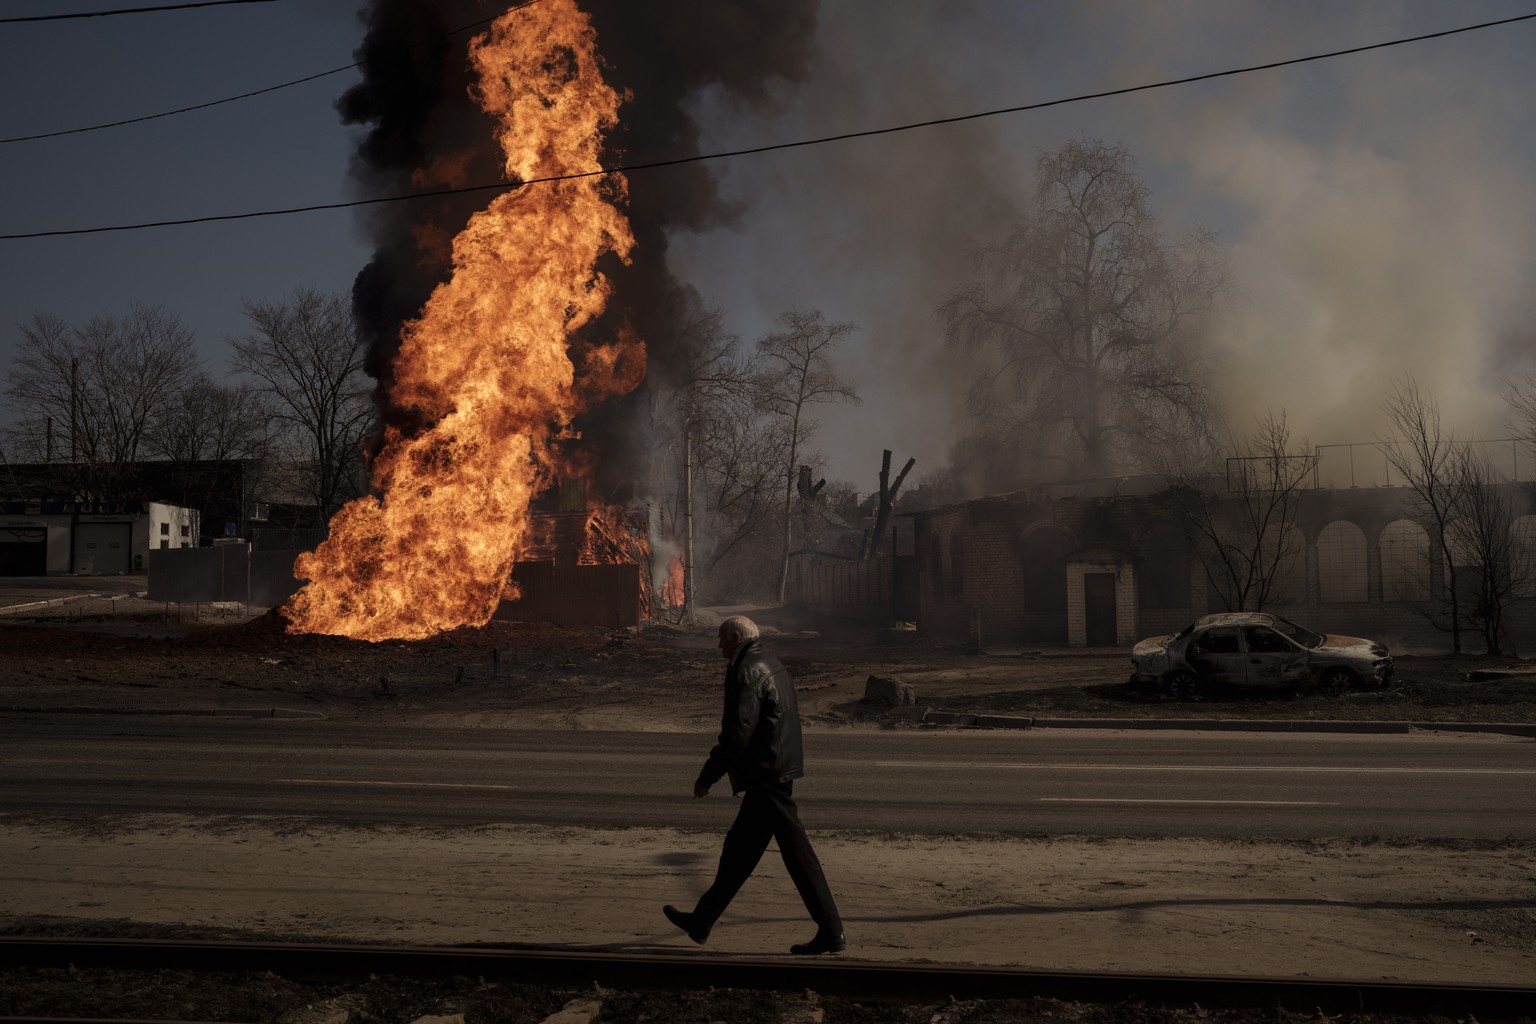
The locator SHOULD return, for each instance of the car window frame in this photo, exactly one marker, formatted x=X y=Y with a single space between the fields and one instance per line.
x=1235 y=631
x=1291 y=645
x=1295 y=631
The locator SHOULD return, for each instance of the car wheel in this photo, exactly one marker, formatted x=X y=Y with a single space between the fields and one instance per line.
x=1182 y=685
x=1335 y=681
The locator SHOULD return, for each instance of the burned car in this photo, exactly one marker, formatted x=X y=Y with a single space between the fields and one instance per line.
x=1256 y=651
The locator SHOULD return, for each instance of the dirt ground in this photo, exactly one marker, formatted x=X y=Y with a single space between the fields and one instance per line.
x=1332 y=907
x=132 y=654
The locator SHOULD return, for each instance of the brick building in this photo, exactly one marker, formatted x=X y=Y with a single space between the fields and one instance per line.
x=1105 y=562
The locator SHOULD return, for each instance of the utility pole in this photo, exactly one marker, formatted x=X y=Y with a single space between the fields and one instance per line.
x=688 y=523
x=74 y=407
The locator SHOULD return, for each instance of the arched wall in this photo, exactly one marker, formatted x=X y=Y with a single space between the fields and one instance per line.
x=1405 y=563
x=1341 y=564
x=1368 y=566
x=1522 y=552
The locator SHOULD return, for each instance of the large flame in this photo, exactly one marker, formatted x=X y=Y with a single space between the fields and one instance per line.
x=488 y=363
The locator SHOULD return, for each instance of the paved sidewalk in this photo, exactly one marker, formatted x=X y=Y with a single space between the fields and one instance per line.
x=1328 y=907
x=22 y=593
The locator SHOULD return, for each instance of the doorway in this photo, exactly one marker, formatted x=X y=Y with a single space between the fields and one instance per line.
x=1099 y=608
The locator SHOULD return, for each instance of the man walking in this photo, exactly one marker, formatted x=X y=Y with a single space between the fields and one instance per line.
x=759 y=748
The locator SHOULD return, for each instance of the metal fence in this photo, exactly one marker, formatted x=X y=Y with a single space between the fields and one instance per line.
x=1367 y=463
x=232 y=573
x=567 y=595
x=575 y=595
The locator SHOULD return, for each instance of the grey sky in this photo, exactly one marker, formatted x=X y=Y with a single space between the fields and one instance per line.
x=1377 y=209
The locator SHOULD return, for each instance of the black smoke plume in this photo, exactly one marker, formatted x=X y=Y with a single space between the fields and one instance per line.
x=424 y=131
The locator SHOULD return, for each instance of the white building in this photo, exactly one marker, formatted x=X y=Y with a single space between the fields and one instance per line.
x=85 y=538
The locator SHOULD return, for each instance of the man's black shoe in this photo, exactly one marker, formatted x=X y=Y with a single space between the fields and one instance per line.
x=687 y=922
x=824 y=942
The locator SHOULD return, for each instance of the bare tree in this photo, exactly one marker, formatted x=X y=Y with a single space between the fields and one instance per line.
x=91 y=395
x=741 y=458
x=211 y=422
x=1241 y=519
x=796 y=375
x=1483 y=532
x=305 y=360
x=1521 y=395
x=1089 y=313
x=216 y=439
x=1424 y=455
x=705 y=450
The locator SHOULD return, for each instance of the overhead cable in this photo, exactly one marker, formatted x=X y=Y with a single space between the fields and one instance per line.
x=129 y=10
x=182 y=110
x=772 y=147
x=246 y=95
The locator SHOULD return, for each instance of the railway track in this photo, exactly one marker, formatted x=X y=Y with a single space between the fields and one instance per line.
x=841 y=976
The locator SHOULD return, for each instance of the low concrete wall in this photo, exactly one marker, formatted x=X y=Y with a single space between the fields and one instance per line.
x=567 y=595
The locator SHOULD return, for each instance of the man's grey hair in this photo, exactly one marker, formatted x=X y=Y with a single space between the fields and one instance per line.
x=740 y=628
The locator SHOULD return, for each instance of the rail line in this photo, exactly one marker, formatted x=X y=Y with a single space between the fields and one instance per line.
x=853 y=979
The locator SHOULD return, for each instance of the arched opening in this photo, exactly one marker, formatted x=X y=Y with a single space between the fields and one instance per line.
x=1404 y=561
x=1522 y=556
x=1341 y=563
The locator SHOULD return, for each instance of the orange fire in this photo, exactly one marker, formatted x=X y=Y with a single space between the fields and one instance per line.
x=489 y=361
x=608 y=539
x=672 y=589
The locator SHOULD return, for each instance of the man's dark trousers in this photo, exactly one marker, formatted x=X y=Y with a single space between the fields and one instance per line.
x=768 y=812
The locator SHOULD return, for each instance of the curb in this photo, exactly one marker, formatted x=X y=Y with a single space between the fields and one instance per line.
x=242 y=712
x=55 y=602
x=1225 y=725
x=1483 y=675
x=184 y=712
x=942 y=719
x=968 y=721
x=1507 y=728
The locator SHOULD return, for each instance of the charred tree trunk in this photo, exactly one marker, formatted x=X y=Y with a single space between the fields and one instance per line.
x=887 y=500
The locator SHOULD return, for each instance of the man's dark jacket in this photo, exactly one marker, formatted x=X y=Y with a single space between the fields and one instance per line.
x=760 y=728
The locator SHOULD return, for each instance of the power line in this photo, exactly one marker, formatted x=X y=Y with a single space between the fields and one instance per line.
x=182 y=110
x=774 y=147
x=247 y=95
x=129 y=10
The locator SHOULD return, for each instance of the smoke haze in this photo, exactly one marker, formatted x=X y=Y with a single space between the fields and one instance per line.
x=1375 y=208
x=1383 y=214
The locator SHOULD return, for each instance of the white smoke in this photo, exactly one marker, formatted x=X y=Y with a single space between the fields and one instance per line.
x=1375 y=207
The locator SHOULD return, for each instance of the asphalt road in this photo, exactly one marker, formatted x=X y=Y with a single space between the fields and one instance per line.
x=1093 y=783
